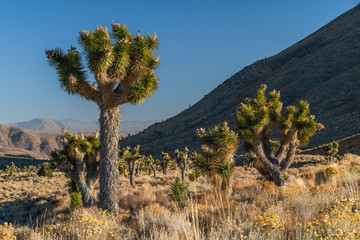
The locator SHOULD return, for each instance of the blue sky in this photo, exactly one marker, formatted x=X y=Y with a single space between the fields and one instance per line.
x=202 y=43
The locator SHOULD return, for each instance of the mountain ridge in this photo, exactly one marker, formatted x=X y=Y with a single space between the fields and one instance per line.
x=74 y=125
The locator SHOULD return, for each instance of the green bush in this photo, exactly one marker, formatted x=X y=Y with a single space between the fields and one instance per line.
x=178 y=190
x=46 y=170
x=194 y=175
x=75 y=200
x=75 y=195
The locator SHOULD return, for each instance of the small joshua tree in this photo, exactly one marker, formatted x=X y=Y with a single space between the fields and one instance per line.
x=256 y=121
x=132 y=158
x=79 y=159
x=123 y=68
x=217 y=159
x=332 y=149
x=165 y=162
x=150 y=165
x=182 y=159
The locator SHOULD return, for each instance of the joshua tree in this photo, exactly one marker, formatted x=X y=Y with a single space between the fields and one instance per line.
x=123 y=67
x=256 y=121
x=150 y=165
x=217 y=159
x=165 y=162
x=132 y=159
x=332 y=149
x=182 y=159
x=79 y=159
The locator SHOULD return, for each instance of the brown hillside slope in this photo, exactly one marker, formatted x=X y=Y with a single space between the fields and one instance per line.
x=323 y=68
x=17 y=141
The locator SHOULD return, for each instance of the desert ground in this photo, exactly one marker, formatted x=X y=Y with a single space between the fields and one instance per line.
x=317 y=203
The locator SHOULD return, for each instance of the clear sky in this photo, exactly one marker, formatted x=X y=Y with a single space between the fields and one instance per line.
x=202 y=43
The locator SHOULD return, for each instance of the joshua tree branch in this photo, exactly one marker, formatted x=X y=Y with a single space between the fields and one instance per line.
x=89 y=92
x=273 y=169
x=290 y=153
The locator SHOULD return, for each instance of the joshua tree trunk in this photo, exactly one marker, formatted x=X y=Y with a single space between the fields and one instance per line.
x=109 y=146
x=183 y=174
x=131 y=166
x=86 y=190
x=154 y=170
x=164 y=168
x=226 y=186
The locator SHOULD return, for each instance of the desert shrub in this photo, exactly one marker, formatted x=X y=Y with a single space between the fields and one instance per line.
x=7 y=232
x=156 y=218
x=143 y=196
x=321 y=189
x=340 y=220
x=269 y=223
x=178 y=190
x=194 y=175
x=85 y=224
x=46 y=170
x=327 y=174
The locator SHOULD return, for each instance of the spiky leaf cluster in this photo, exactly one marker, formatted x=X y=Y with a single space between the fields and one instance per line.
x=119 y=60
x=256 y=113
x=75 y=145
x=69 y=68
x=129 y=156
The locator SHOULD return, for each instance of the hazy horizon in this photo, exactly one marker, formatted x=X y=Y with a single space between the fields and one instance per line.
x=201 y=45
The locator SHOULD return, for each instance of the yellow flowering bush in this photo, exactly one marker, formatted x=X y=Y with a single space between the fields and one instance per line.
x=269 y=223
x=90 y=224
x=340 y=221
x=321 y=189
x=333 y=171
x=7 y=232
x=355 y=168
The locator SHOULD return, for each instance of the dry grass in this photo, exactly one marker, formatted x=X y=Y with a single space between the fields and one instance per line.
x=320 y=201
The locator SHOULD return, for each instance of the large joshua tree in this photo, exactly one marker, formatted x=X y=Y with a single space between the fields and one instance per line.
x=123 y=68
x=256 y=121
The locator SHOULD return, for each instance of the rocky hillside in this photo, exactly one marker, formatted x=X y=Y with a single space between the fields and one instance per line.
x=323 y=68
x=15 y=142
x=349 y=144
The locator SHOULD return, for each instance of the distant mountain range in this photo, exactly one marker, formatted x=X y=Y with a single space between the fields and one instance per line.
x=73 y=125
